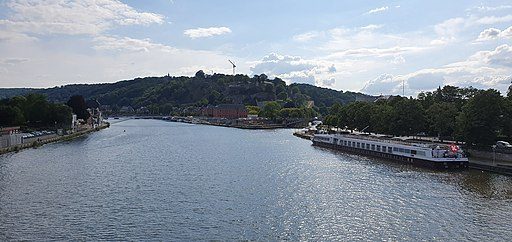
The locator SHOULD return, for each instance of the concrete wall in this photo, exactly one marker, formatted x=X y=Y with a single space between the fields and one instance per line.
x=39 y=138
x=489 y=155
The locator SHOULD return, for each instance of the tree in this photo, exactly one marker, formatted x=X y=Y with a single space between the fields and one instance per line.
x=408 y=117
x=426 y=99
x=381 y=118
x=271 y=110
x=60 y=115
x=331 y=120
x=269 y=88
x=253 y=110
x=282 y=95
x=441 y=118
x=280 y=88
x=478 y=123
x=509 y=94
x=200 y=74
x=36 y=110
x=506 y=125
x=335 y=109
x=295 y=90
x=10 y=116
x=447 y=94
x=77 y=104
x=203 y=102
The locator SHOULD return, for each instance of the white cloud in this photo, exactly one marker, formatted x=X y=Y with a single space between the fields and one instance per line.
x=91 y=55
x=295 y=69
x=377 y=10
x=501 y=56
x=73 y=17
x=494 y=20
x=398 y=59
x=116 y=43
x=377 y=52
x=484 y=69
x=488 y=34
x=367 y=42
x=493 y=33
x=112 y=58
x=206 y=32
x=13 y=61
x=507 y=33
x=450 y=30
x=14 y=37
x=383 y=84
x=491 y=8
x=360 y=52
x=305 y=37
x=372 y=27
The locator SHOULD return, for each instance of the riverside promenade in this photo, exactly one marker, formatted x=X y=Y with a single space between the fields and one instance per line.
x=52 y=139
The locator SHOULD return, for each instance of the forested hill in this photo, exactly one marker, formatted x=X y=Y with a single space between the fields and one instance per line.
x=199 y=90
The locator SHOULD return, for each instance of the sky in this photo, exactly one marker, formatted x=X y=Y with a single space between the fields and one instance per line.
x=375 y=47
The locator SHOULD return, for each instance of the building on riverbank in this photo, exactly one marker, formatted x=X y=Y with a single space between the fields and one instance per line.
x=228 y=111
x=10 y=136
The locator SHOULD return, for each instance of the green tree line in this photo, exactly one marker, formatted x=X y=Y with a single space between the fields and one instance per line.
x=277 y=112
x=478 y=117
x=33 y=110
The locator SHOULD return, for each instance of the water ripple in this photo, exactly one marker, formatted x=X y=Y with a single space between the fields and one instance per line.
x=146 y=179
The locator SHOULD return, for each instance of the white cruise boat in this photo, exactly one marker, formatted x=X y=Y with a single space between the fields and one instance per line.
x=433 y=155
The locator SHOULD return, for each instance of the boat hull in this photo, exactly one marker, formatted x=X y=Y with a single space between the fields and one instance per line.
x=452 y=165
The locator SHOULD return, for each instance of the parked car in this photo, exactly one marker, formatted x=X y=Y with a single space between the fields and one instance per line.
x=503 y=145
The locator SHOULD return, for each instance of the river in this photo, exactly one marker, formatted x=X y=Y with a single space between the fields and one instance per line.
x=156 y=180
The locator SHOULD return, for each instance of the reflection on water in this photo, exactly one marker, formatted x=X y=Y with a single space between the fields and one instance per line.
x=173 y=181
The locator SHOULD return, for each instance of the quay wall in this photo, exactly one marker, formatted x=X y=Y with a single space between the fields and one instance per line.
x=489 y=155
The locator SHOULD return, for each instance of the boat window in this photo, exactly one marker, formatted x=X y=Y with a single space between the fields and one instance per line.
x=395 y=149
x=407 y=151
x=383 y=148
x=358 y=145
x=350 y=143
x=413 y=152
x=373 y=147
x=390 y=150
x=378 y=147
x=401 y=150
x=367 y=146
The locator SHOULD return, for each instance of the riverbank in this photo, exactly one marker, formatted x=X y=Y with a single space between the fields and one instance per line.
x=230 y=123
x=51 y=139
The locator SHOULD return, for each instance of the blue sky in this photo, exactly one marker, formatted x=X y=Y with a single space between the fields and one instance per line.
x=369 y=46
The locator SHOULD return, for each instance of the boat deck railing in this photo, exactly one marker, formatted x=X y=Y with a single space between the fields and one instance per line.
x=387 y=140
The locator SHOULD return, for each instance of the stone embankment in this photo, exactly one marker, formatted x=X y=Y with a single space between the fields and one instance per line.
x=491 y=161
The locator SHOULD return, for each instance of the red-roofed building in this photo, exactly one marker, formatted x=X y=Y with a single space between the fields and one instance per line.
x=229 y=111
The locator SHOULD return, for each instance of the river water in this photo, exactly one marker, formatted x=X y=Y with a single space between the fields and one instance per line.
x=149 y=179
